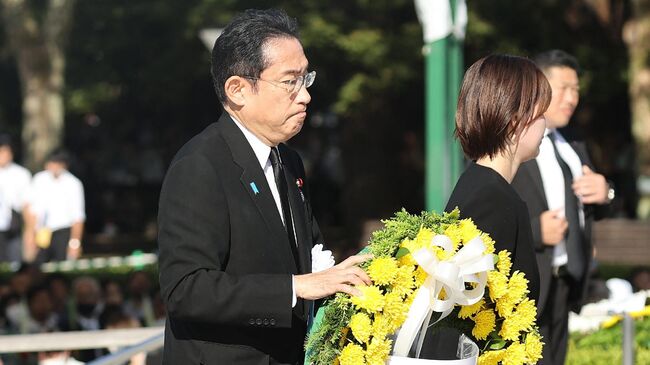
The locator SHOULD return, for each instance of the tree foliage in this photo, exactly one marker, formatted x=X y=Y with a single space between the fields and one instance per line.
x=138 y=86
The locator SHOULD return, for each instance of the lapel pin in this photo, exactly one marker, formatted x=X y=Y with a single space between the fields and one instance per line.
x=299 y=182
x=254 y=187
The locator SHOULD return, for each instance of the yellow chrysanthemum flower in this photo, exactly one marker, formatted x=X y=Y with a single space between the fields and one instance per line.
x=505 y=305
x=522 y=319
x=404 y=281
x=383 y=270
x=534 y=347
x=489 y=243
x=518 y=286
x=371 y=299
x=381 y=326
x=407 y=260
x=361 y=327
x=467 y=311
x=442 y=254
x=491 y=357
x=468 y=230
x=420 y=277
x=504 y=263
x=454 y=234
x=409 y=299
x=378 y=351
x=515 y=354
x=510 y=328
x=352 y=354
x=485 y=322
x=497 y=284
x=527 y=312
x=395 y=308
x=423 y=238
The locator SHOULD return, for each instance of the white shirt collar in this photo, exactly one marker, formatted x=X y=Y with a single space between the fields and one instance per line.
x=262 y=151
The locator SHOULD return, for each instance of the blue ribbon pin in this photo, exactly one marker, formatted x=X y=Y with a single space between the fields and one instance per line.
x=254 y=187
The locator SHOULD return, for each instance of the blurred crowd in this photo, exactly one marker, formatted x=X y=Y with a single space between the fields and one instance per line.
x=32 y=302
x=41 y=217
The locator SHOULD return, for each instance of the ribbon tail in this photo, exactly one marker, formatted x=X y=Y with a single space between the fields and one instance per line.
x=423 y=333
x=417 y=313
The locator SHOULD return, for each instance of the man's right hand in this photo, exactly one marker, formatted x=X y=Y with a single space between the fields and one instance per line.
x=553 y=226
x=340 y=278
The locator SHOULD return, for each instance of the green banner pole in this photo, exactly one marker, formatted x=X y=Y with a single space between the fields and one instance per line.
x=444 y=69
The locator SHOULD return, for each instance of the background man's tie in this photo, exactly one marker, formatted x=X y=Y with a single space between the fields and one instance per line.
x=574 y=239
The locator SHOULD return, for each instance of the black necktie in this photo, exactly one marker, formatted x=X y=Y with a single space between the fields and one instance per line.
x=575 y=254
x=281 y=183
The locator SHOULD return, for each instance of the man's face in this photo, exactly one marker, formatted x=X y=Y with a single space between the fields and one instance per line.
x=565 y=87
x=6 y=155
x=271 y=112
x=54 y=167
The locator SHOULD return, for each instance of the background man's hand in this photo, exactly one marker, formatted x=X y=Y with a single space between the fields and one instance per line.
x=591 y=187
x=553 y=226
x=340 y=278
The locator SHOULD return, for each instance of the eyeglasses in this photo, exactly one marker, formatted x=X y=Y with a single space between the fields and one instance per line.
x=291 y=86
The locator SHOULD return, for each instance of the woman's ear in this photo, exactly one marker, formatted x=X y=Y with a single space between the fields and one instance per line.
x=235 y=88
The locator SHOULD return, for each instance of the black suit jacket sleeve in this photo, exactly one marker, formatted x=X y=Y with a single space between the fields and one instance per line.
x=194 y=241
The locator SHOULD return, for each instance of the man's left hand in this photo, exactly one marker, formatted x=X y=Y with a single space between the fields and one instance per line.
x=591 y=187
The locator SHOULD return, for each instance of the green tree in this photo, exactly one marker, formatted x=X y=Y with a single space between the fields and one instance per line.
x=37 y=36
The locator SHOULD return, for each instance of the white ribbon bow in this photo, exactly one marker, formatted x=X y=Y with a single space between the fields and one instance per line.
x=468 y=265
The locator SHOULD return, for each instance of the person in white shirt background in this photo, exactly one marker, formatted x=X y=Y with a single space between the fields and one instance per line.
x=55 y=212
x=564 y=196
x=14 y=183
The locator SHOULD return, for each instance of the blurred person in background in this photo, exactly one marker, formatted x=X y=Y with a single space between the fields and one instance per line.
x=89 y=306
x=114 y=317
x=60 y=292
x=138 y=303
x=42 y=318
x=14 y=184
x=17 y=310
x=113 y=294
x=562 y=191
x=55 y=211
x=57 y=358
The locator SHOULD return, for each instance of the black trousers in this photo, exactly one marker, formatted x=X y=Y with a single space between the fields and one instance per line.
x=554 y=322
x=4 y=246
x=58 y=249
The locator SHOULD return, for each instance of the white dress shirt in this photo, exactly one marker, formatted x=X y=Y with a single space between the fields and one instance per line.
x=553 y=181
x=58 y=202
x=14 y=185
x=263 y=152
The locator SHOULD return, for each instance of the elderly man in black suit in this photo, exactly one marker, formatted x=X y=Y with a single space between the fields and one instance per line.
x=561 y=191
x=236 y=225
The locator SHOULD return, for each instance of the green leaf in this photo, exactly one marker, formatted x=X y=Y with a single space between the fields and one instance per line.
x=497 y=345
x=403 y=251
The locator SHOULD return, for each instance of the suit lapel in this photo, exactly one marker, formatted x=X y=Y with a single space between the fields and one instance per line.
x=260 y=192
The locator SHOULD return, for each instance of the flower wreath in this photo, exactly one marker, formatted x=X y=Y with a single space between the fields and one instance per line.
x=422 y=264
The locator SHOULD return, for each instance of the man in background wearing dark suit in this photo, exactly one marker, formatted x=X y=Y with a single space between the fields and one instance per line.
x=236 y=225
x=561 y=191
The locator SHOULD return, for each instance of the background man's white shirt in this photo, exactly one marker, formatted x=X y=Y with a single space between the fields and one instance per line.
x=57 y=202
x=553 y=181
x=14 y=185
